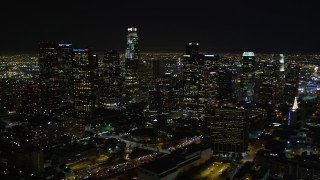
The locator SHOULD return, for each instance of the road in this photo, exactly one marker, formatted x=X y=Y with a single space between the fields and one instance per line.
x=251 y=153
x=212 y=171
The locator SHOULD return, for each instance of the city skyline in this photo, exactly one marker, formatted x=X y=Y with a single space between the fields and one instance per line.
x=286 y=27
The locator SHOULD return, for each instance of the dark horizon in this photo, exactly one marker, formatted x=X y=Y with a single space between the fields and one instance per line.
x=287 y=26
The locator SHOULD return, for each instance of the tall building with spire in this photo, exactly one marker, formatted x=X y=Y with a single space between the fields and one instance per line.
x=132 y=51
x=247 y=77
x=131 y=93
x=293 y=113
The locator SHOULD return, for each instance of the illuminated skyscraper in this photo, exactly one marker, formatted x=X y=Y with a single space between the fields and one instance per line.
x=267 y=85
x=110 y=80
x=85 y=67
x=227 y=129
x=198 y=76
x=131 y=92
x=278 y=59
x=224 y=91
x=192 y=48
x=132 y=51
x=293 y=113
x=54 y=77
x=291 y=82
x=247 y=77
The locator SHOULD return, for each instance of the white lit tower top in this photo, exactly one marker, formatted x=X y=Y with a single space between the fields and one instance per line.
x=132 y=51
x=281 y=61
x=295 y=104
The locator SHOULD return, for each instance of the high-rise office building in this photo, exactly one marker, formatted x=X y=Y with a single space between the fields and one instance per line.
x=192 y=48
x=291 y=82
x=227 y=129
x=54 y=76
x=85 y=71
x=293 y=113
x=198 y=78
x=110 y=80
x=65 y=60
x=267 y=85
x=30 y=100
x=247 y=77
x=132 y=53
x=225 y=90
x=279 y=60
x=131 y=91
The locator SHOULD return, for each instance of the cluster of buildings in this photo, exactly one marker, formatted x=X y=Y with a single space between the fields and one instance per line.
x=225 y=96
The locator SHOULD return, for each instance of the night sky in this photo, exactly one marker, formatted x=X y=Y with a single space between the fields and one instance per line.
x=163 y=25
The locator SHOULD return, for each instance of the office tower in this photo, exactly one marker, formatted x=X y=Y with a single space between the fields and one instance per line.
x=163 y=99
x=85 y=71
x=29 y=104
x=225 y=90
x=26 y=159
x=267 y=85
x=65 y=56
x=198 y=77
x=293 y=113
x=227 y=128
x=155 y=104
x=50 y=89
x=132 y=51
x=192 y=48
x=110 y=80
x=265 y=94
x=278 y=59
x=131 y=92
x=54 y=77
x=158 y=68
x=291 y=82
x=247 y=77
x=146 y=79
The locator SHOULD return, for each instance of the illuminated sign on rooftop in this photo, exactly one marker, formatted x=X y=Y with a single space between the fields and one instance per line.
x=80 y=50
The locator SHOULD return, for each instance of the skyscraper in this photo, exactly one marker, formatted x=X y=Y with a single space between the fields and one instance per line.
x=227 y=129
x=131 y=92
x=247 y=77
x=198 y=78
x=110 y=80
x=192 y=48
x=225 y=90
x=85 y=67
x=293 y=113
x=132 y=51
x=54 y=77
x=291 y=82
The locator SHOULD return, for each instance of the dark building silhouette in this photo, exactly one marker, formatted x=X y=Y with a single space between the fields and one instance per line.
x=110 y=80
x=225 y=90
x=55 y=77
x=291 y=82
